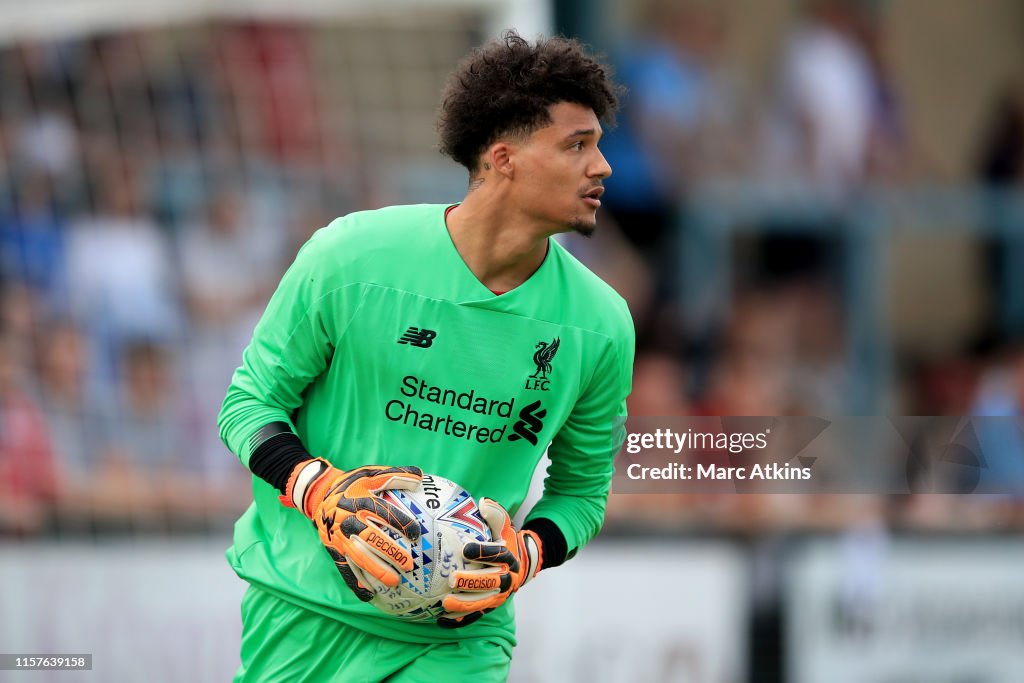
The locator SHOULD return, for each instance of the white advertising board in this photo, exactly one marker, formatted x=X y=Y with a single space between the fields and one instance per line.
x=160 y=611
x=907 y=612
x=668 y=612
x=168 y=611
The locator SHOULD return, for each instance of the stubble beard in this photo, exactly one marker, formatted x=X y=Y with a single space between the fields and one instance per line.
x=583 y=227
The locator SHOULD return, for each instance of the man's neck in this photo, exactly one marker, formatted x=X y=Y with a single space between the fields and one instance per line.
x=501 y=247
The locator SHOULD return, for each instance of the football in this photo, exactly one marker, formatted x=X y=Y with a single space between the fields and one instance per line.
x=448 y=518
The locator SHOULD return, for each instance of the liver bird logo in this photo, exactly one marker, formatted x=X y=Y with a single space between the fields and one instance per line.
x=543 y=356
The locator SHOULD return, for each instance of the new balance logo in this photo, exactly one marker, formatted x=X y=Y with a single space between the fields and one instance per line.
x=529 y=424
x=422 y=338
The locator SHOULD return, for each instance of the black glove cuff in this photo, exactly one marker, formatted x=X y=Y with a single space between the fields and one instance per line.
x=552 y=541
x=276 y=450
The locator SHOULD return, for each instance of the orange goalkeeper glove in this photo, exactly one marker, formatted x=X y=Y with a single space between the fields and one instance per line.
x=353 y=522
x=515 y=558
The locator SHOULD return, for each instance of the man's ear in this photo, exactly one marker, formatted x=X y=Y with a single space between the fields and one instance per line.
x=500 y=158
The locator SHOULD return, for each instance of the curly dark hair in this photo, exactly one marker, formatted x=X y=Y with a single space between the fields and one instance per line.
x=507 y=87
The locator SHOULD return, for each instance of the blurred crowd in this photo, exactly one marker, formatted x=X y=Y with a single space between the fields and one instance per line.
x=154 y=185
x=150 y=198
x=831 y=124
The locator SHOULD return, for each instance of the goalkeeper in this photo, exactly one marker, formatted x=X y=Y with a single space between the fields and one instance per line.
x=459 y=340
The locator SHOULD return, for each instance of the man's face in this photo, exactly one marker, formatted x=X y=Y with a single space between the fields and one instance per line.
x=560 y=171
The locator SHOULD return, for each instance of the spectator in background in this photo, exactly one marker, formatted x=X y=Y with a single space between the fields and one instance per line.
x=121 y=272
x=1000 y=393
x=227 y=276
x=835 y=120
x=28 y=477
x=660 y=386
x=754 y=368
x=149 y=429
x=47 y=141
x=1000 y=167
x=819 y=133
x=267 y=69
x=662 y=143
x=781 y=354
x=659 y=389
x=821 y=383
x=145 y=461
x=40 y=77
x=151 y=469
x=32 y=241
x=75 y=414
x=889 y=145
x=1001 y=158
x=114 y=98
x=20 y=311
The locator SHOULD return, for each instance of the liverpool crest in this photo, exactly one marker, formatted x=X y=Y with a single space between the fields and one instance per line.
x=542 y=357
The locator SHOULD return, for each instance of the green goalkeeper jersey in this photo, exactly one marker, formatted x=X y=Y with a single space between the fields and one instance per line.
x=380 y=347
